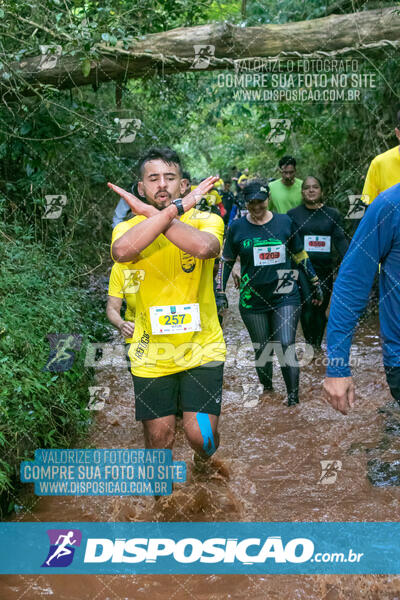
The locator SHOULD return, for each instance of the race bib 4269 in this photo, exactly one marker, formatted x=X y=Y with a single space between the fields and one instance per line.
x=317 y=243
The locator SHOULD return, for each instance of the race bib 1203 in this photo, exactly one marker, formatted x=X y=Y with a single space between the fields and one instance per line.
x=269 y=255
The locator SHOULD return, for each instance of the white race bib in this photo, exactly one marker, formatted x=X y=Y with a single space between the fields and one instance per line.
x=179 y=318
x=317 y=243
x=269 y=255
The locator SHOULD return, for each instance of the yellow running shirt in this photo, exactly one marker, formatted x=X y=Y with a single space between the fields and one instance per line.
x=243 y=178
x=124 y=283
x=213 y=198
x=383 y=173
x=176 y=322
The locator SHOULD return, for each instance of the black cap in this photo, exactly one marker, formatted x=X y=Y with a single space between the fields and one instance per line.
x=256 y=190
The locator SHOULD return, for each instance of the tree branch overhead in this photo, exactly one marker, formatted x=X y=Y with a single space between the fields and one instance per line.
x=174 y=52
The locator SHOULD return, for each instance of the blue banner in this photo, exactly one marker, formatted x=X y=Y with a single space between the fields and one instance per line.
x=103 y=472
x=200 y=548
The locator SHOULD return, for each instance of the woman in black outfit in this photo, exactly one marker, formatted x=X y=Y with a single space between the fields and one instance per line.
x=320 y=228
x=269 y=296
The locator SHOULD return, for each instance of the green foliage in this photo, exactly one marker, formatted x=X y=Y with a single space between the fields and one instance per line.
x=78 y=25
x=67 y=142
x=224 y=11
x=41 y=296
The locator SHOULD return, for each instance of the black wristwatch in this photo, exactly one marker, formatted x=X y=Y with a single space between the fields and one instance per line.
x=179 y=206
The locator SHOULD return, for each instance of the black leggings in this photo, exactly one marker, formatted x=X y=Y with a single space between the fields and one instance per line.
x=276 y=326
x=393 y=379
x=313 y=319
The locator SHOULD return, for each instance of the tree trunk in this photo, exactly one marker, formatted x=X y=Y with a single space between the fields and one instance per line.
x=173 y=51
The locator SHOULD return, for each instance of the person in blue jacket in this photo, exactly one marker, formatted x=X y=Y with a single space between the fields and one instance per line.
x=376 y=241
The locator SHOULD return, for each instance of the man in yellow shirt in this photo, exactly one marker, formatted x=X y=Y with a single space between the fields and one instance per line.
x=124 y=282
x=243 y=178
x=383 y=172
x=219 y=184
x=177 y=351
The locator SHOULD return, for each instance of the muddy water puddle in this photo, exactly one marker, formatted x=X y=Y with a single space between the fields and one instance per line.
x=273 y=454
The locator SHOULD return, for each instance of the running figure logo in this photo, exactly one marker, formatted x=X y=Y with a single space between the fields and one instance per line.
x=357 y=206
x=54 y=206
x=132 y=280
x=279 y=130
x=49 y=56
x=98 y=397
x=62 y=351
x=61 y=551
x=251 y=394
x=330 y=470
x=287 y=280
x=203 y=55
x=129 y=129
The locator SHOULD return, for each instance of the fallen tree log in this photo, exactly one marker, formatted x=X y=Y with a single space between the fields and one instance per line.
x=221 y=46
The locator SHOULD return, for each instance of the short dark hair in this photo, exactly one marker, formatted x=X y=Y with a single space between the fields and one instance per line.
x=186 y=175
x=287 y=160
x=165 y=154
x=314 y=177
x=398 y=119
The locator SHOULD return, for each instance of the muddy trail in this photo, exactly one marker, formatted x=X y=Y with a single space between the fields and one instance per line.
x=273 y=455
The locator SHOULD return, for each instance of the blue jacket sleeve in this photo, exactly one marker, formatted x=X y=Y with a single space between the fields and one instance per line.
x=370 y=244
x=233 y=214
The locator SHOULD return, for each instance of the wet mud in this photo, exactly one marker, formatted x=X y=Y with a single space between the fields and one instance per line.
x=273 y=454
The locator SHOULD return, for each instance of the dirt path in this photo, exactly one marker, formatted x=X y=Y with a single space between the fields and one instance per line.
x=273 y=454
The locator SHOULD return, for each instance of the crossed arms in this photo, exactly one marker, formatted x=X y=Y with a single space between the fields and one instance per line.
x=200 y=244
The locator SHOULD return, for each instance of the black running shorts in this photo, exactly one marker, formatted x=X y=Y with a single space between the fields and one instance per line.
x=194 y=390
